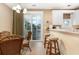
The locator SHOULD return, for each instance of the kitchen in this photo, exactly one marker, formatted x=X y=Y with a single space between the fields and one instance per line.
x=65 y=26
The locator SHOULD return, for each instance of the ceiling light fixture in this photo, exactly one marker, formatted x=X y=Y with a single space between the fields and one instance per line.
x=18 y=9
x=25 y=11
x=14 y=8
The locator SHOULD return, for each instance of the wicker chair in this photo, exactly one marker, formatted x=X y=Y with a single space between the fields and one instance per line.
x=4 y=33
x=27 y=43
x=10 y=45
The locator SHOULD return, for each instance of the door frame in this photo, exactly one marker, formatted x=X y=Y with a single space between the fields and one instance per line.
x=42 y=21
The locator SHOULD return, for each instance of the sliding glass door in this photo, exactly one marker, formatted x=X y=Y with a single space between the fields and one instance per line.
x=36 y=27
x=33 y=22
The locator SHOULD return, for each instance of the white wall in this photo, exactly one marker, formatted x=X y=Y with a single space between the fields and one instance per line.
x=6 y=17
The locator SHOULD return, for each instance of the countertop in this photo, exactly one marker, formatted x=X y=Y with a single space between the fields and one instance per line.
x=66 y=31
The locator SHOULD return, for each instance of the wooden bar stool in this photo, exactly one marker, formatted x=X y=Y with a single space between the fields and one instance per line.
x=53 y=47
x=46 y=40
x=48 y=48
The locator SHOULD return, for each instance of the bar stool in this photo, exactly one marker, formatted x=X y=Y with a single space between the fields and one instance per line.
x=53 y=47
x=46 y=40
x=48 y=48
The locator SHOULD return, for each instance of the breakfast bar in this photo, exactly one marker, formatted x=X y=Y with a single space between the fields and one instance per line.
x=68 y=40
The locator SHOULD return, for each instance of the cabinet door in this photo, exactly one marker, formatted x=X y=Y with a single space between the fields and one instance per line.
x=57 y=17
x=76 y=18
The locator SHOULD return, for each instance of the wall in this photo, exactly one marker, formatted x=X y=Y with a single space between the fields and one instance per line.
x=6 y=17
x=47 y=17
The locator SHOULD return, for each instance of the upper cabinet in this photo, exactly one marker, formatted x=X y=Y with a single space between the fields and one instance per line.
x=65 y=18
x=76 y=18
x=57 y=17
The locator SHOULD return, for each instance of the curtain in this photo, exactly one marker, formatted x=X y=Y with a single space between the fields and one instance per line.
x=17 y=23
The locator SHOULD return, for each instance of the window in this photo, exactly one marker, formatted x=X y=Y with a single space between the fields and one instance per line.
x=66 y=16
x=67 y=21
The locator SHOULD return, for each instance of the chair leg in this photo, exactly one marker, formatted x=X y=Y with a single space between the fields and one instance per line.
x=30 y=48
x=58 y=48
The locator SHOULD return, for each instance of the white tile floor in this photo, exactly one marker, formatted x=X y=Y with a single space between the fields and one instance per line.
x=37 y=48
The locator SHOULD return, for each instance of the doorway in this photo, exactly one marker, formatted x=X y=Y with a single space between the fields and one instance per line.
x=33 y=21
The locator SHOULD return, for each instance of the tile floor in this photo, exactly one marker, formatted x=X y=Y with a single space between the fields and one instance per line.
x=37 y=49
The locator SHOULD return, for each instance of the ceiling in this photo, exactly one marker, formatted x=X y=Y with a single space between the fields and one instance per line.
x=45 y=5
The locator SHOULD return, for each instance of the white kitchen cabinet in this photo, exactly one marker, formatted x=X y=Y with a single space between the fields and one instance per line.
x=57 y=17
x=76 y=18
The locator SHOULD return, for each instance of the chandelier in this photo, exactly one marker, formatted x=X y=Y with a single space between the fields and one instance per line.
x=18 y=9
